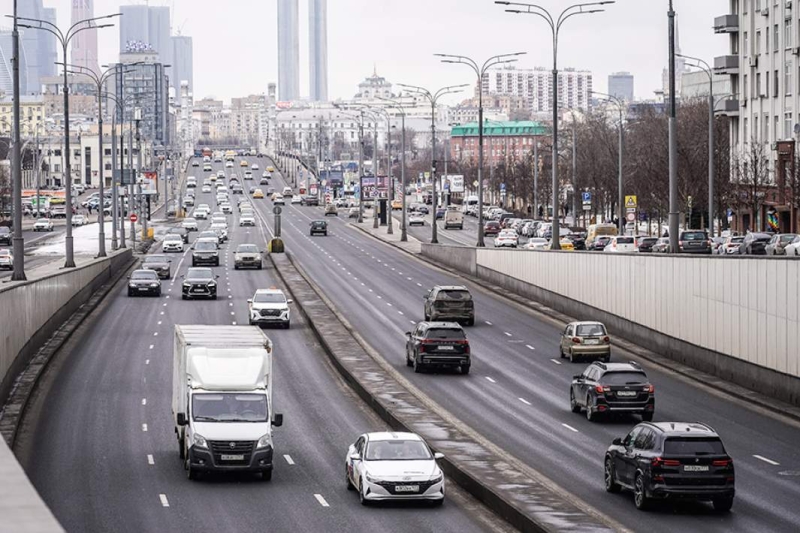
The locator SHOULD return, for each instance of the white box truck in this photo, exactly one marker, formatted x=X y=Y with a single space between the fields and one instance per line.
x=222 y=399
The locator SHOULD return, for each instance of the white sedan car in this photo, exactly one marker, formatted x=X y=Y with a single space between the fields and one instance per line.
x=79 y=220
x=537 y=243
x=172 y=243
x=206 y=188
x=43 y=224
x=416 y=219
x=506 y=238
x=394 y=466
x=254 y=166
x=793 y=248
x=189 y=224
x=297 y=199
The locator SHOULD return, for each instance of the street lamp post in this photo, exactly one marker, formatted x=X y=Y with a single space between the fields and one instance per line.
x=620 y=197
x=555 y=24
x=480 y=71
x=64 y=39
x=433 y=98
x=16 y=167
x=674 y=245
x=396 y=105
x=702 y=65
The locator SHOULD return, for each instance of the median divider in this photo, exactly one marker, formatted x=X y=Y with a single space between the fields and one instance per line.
x=515 y=491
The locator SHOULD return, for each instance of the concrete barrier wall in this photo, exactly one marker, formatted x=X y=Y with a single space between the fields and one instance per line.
x=459 y=257
x=31 y=311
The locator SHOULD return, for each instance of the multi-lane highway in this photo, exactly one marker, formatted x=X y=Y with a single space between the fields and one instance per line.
x=517 y=392
x=98 y=442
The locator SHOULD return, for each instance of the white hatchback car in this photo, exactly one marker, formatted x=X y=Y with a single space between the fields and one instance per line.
x=394 y=466
x=620 y=244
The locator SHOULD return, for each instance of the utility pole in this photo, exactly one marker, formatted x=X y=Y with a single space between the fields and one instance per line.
x=101 y=250
x=361 y=168
x=673 y=143
x=574 y=176
x=114 y=182
x=376 y=203
x=536 y=179
x=16 y=164
x=390 y=200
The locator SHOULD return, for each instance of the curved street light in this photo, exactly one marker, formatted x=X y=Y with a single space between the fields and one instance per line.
x=620 y=204
x=394 y=104
x=555 y=23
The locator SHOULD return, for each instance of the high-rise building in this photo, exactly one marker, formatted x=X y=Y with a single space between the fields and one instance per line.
x=133 y=27
x=84 y=45
x=7 y=68
x=620 y=84
x=158 y=34
x=183 y=63
x=39 y=46
x=48 y=50
x=149 y=80
x=536 y=85
x=288 y=50
x=318 y=49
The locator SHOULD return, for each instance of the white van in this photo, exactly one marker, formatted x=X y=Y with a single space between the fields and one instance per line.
x=621 y=244
x=453 y=218
x=287 y=191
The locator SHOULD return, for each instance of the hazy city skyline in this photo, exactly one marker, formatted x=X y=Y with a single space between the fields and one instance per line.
x=399 y=41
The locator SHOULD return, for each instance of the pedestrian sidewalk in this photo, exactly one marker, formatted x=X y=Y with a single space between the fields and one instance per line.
x=413 y=245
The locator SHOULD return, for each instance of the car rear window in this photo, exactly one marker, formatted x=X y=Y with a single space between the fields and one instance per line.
x=624 y=240
x=445 y=333
x=454 y=295
x=787 y=238
x=648 y=240
x=693 y=236
x=623 y=378
x=693 y=446
x=590 y=330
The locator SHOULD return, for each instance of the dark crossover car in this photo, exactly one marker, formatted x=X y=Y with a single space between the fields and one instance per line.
x=205 y=252
x=439 y=345
x=672 y=460
x=318 y=226
x=646 y=244
x=158 y=262
x=450 y=302
x=310 y=200
x=143 y=282
x=6 y=237
x=755 y=244
x=247 y=255
x=607 y=388
x=199 y=283
x=180 y=231
x=694 y=242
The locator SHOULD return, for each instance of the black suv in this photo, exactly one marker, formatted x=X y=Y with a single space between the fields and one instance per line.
x=309 y=200
x=694 y=242
x=605 y=388
x=6 y=237
x=199 y=283
x=671 y=460
x=160 y=263
x=450 y=302
x=205 y=252
x=438 y=344
x=319 y=226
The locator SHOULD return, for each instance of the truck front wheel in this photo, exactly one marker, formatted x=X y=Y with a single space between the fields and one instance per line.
x=266 y=475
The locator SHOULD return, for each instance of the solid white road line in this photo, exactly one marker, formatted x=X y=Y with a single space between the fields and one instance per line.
x=490 y=379
x=768 y=461
x=164 y=501
x=289 y=459
x=570 y=428
x=321 y=500
x=144 y=427
x=523 y=400
x=150 y=460
x=556 y=361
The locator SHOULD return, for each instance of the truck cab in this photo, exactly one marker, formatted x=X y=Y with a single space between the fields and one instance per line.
x=222 y=399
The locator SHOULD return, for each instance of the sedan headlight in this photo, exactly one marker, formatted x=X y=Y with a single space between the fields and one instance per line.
x=199 y=441
x=372 y=479
x=264 y=442
x=132 y=285
x=436 y=478
x=187 y=284
x=154 y=285
x=212 y=284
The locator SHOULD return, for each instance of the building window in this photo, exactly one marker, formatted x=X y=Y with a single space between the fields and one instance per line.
x=787 y=126
x=775 y=89
x=757 y=90
x=758 y=43
x=787 y=34
x=766 y=80
x=787 y=77
x=756 y=131
x=766 y=128
x=746 y=45
x=775 y=129
x=745 y=87
x=775 y=44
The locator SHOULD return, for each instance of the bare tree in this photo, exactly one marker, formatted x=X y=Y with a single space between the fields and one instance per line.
x=751 y=177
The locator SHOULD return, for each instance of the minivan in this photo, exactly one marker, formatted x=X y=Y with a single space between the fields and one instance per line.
x=599 y=230
x=453 y=219
x=621 y=244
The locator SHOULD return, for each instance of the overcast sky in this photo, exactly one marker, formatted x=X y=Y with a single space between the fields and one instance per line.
x=235 y=41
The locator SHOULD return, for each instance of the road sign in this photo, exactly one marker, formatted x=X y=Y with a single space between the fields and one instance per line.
x=631 y=217
x=631 y=202
x=502 y=186
x=475 y=183
x=275 y=210
x=587 y=207
x=587 y=197
x=134 y=218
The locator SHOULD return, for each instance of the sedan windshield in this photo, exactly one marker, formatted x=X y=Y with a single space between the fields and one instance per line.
x=229 y=407
x=247 y=249
x=155 y=259
x=397 y=450
x=144 y=274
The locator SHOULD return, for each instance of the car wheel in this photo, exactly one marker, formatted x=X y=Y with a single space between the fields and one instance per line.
x=130 y=293
x=607 y=358
x=259 y=266
x=214 y=297
x=347 y=480
x=723 y=505
x=610 y=481
x=640 y=498
x=191 y=473
x=573 y=404
x=590 y=415
x=471 y=321
x=361 y=497
x=561 y=351
x=464 y=369
x=572 y=357
x=647 y=416
x=158 y=293
x=408 y=359
x=417 y=366
x=266 y=475
x=437 y=503
x=183 y=297
x=236 y=267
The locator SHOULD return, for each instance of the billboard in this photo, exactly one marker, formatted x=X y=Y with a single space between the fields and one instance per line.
x=373 y=187
x=149 y=182
x=334 y=178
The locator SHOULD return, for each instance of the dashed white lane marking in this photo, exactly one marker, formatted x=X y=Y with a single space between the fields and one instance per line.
x=507 y=334
x=233 y=323
x=419 y=284
x=289 y=459
x=379 y=296
x=233 y=313
x=231 y=304
x=159 y=322
x=144 y=427
x=570 y=428
x=155 y=334
x=371 y=290
x=410 y=279
x=147 y=361
x=490 y=380
x=144 y=401
x=151 y=346
x=412 y=321
x=321 y=500
x=150 y=460
x=768 y=461
x=400 y=312
x=528 y=346
x=488 y=323
x=167 y=296
x=162 y=312
x=165 y=305
x=164 y=501
x=556 y=361
x=523 y=400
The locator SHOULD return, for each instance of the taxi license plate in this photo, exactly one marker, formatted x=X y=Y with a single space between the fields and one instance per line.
x=232 y=457
x=406 y=488
x=695 y=468
x=592 y=341
x=626 y=393
x=449 y=348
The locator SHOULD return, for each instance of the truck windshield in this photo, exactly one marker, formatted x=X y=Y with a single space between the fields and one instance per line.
x=229 y=407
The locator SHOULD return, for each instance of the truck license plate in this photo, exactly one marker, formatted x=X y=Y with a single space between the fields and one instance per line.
x=406 y=488
x=232 y=457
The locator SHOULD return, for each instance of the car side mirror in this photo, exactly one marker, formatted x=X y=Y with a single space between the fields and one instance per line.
x=277 y=420
x=438 y=455
x=578 y=377
x=249 y=300
x=216 y=277
x=356 y=456
x=289 y=301
x=617 y=442
x=182 y=419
